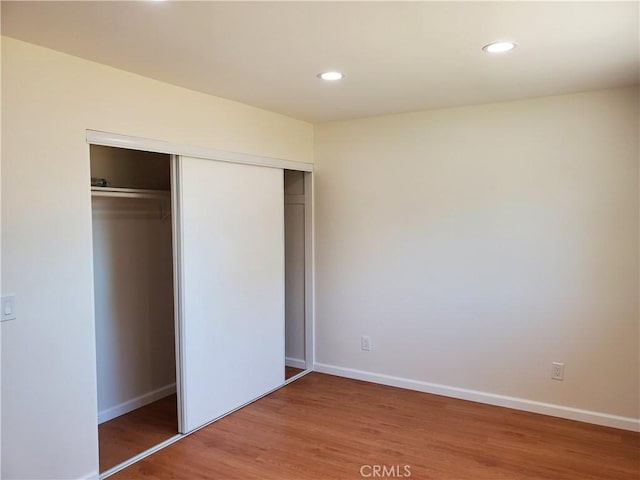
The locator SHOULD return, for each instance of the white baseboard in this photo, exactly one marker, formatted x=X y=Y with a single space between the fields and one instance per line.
x=130 y=405
x=295 y=363
x=533 y=406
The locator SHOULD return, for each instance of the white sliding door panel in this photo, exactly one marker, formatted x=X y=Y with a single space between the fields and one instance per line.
x=232 y=242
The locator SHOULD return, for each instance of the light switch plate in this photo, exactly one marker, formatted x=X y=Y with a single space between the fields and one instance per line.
x=8 y=308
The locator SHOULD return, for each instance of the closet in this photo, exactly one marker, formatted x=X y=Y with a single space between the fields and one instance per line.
x=134 y=304
x=203 y=283
x=295 y=216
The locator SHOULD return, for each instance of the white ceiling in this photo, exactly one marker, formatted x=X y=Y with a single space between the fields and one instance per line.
x=397 y=56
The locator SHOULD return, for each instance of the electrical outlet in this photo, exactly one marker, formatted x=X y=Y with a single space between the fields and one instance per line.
x=557 y=371
x=365 y=343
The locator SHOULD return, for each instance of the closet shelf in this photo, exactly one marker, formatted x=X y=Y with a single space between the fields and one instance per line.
x=129 y=193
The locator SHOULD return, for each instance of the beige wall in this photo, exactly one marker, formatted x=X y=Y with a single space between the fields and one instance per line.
x=477 y=245
x=48 y=353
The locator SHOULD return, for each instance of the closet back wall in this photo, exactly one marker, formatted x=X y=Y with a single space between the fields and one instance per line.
x=134 y=308
x=49 y=99
x=294 y=214
x=131 y=168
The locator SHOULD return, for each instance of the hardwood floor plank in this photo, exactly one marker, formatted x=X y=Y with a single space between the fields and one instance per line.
x=291 y=372
x=133 y=433
x=325 y=427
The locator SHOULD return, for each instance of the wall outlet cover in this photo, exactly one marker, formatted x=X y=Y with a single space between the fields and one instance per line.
x=557 y=371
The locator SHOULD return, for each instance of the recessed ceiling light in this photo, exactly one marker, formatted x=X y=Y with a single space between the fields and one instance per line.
x=499 y=47
x=330 y=76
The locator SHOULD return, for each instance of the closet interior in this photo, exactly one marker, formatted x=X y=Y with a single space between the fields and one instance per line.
x=134 y=304
x=295 y=258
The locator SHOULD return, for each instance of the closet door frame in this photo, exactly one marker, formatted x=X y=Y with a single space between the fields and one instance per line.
x=95 y=137
x=178 y=315
x=309 y=274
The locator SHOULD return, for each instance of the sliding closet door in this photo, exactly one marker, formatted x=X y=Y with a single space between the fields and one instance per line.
x=232 y=285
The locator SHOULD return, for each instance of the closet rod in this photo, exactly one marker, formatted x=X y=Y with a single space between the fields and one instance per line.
x=129 y=193
x=163 y=196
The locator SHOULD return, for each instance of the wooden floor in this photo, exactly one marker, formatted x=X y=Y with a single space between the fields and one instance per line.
x=325 y=427
x=291 y=372
x=133 y=433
